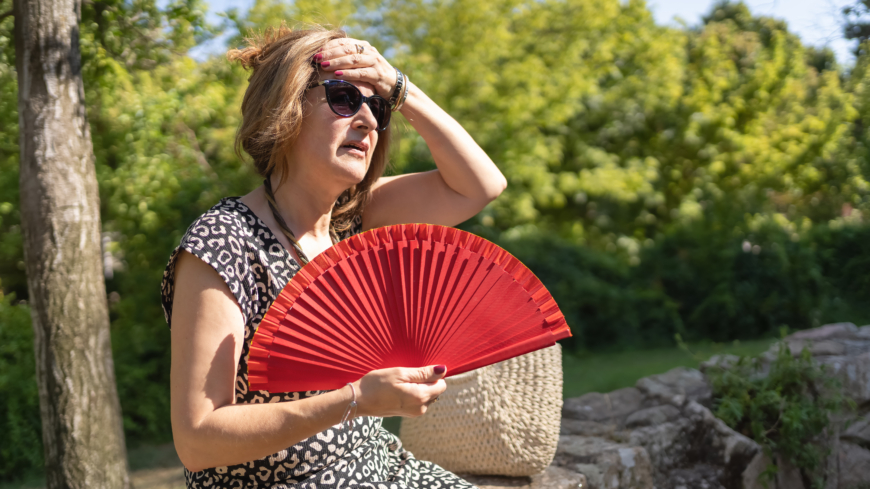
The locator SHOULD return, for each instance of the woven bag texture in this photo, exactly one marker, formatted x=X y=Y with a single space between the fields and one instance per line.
x=498 y=420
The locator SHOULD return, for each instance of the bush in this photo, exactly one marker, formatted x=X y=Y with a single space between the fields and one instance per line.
x=733 y=285
x=844 y=259
x=21 y=450
x=785 y=410
x=595 y=292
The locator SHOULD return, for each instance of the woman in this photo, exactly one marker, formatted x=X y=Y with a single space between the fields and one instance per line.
x=316 y=123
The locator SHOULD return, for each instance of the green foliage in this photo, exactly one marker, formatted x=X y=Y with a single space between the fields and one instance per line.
x=21 y=450
x=856 y=24
x=844 y=258
x=736 y=284
x=640 y=159
x=156 y=175
x=784 y=405
x=602 y=302
x=12 y=278
x=142 y=34
x=610 y=128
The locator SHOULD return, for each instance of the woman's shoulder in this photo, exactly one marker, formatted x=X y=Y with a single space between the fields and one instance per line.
x=228 y=237
x=227 y=219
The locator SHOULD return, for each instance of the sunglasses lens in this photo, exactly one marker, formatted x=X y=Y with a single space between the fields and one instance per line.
x=380 y=111
x=344 y=99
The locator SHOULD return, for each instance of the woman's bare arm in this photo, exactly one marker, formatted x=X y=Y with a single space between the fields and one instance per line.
x=209 y=429
x=465 y=181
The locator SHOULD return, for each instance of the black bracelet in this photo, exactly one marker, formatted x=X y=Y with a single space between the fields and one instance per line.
x=401 y=102
x=397 y=90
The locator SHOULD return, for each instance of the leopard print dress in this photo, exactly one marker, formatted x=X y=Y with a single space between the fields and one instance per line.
x=255 y=266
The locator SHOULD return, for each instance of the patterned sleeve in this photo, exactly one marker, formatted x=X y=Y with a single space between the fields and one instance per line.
x=215 y=239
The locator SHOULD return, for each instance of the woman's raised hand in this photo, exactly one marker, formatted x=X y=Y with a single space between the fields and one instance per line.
x=400 y=391
x=355 y=60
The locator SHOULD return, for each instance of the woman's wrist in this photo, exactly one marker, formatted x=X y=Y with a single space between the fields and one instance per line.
x=351 y=396
x=412 y=100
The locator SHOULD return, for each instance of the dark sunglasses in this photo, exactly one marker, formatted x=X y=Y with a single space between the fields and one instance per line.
x=345 y=99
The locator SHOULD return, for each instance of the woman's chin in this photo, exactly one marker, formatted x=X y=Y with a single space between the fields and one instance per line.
x=352 y=168
x=350 y=172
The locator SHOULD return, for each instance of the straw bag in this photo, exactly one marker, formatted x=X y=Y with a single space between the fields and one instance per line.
x=498 y=420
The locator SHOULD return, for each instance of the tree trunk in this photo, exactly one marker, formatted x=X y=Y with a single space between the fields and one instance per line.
x=60 y=217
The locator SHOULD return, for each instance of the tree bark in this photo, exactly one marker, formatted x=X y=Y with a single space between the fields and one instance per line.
x=60 y=216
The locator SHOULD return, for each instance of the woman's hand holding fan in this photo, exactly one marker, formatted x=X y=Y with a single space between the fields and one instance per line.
x=399 y=391
x=409 y=295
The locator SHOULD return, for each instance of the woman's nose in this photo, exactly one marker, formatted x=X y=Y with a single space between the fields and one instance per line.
x=365 y=119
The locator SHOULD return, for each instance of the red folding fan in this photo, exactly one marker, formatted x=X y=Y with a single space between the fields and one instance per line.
x=408 y=295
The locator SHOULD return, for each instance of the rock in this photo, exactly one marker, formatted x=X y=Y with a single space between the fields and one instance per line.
x=828 y=331
x=701 y=476
x=676 y=385
x=585 y=428
x=669 y=446
x=787 y=477
x=553 y=478
x=609 y=408
x=856 y=347
x=751 y=477
x=559 y=478
x=858 y=432
x=662 y=433
x=734 y=449
x=696 y=438
x=719 y=361
x=831 y=467
x=854 y=374
x=817 y=348
x=606 y=464
x=844 y=347
x=854 y=463
x=652 y=416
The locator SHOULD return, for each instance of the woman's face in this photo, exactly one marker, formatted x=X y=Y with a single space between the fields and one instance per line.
x=337 y=148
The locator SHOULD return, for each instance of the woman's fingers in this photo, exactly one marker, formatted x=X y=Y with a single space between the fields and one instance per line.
x=361 y=74
x=343 y=47
x=400 y=391
x=350 y=61
x=356 y=60
x=424 y=375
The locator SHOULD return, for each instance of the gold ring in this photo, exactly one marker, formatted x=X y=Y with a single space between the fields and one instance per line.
x=360 y=49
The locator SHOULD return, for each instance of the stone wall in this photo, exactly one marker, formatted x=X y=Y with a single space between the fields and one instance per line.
x=661 y=434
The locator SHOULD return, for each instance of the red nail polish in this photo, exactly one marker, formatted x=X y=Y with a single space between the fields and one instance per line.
x=339 y=73
x=324 y=64
x=318 y=57
x=439 y=369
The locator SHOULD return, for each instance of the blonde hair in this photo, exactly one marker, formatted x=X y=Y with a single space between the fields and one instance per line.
x=280 y=61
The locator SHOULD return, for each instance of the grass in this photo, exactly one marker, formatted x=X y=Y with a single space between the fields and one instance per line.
x=608 y=371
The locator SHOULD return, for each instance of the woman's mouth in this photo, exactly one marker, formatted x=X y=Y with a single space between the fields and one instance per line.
x=356 y=148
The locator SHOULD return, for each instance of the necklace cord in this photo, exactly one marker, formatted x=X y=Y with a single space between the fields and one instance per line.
x=282 y=224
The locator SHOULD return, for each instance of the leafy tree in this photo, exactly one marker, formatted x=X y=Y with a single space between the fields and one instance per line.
x=856 y=25
x=640 y=159
x=81 y=418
